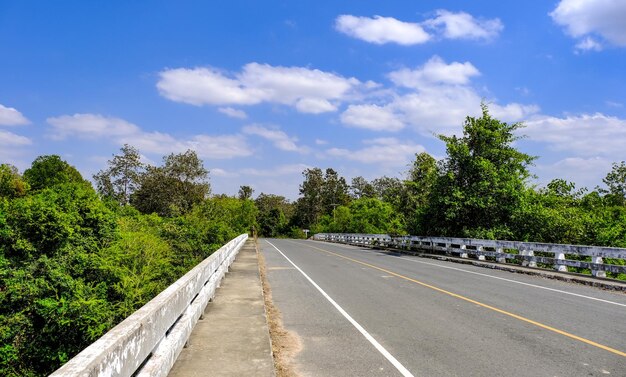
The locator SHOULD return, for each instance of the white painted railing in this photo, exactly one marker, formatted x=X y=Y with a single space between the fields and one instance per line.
x=148 y=342
x=531 y=254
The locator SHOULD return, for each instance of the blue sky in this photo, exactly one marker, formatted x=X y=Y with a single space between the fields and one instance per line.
x=262 y=90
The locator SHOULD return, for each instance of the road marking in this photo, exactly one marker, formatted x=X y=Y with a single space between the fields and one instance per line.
x=505 y=279
x=519 y=317
x=517 y=282
x=405 y=372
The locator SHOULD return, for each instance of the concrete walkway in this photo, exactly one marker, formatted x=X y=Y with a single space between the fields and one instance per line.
x=233 y=338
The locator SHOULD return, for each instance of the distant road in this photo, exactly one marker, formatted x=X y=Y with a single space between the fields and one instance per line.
x=362 y=312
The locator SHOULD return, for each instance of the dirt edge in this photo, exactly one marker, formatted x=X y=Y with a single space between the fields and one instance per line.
x=285 y=344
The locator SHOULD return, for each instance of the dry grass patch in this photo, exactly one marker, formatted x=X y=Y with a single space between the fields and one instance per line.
x=285 y=344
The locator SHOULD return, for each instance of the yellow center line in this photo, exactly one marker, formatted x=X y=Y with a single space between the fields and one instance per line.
x=519 y=317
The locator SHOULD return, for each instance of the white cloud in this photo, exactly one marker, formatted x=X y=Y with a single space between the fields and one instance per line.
x=219 y=172
x=603 y=18
x=321 y=142
x=445 y=24
x=309 y=90
x=512 y=112
x=206 y=146
x=90 y=126
x=9 y=139
x=438 y=98
x=585 y=172
x=385 y=151
x=201 y=86
x=280 y=139
x=9 y=116
x=588 y=44
x=584 y=135
x=233 y=113
x=381 y=30
x=282 y=170
x=442 y=109
x=314 y=106
x=120 y=131
x=463 y=25
x=371 y=117
x=435 y=71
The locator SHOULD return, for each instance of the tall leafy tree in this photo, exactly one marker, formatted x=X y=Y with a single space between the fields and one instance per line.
x=245 y=192
x=413 y=200
x=615 y=182
x=482 y=183
x=361 y=188
x=334 y=191
x=309 y=207
x=173 y=188
x=389 y=190
x=421 y=177
x=51 y=170
x=12 y=185
x=274 y=211
x=121 y=178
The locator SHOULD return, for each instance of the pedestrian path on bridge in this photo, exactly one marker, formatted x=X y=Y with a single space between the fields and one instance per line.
x=232 y=338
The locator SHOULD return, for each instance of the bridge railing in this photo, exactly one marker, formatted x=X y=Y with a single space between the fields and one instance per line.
x=530 y=254
x=148 y=342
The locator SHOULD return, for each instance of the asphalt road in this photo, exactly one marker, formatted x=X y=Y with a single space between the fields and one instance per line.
x=362 y=312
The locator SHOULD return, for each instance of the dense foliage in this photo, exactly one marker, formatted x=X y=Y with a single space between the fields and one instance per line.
x=479 y=190
x=74 y=262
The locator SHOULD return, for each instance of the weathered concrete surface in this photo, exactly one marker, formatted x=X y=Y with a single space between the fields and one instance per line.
x=233 y=338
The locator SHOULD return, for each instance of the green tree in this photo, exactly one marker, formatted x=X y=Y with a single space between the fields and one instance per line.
x=615 y=182
x=47 y=171
x=554 y=214
x=421 y=177
x=389 y=190
x=54 y=299
x=310 y=206
x=173 y=188
x=334 y=191
x=361 y=188
x=365 y=215
x=245 y=192
x=121 y=178
x=482 y=183
x=12 y=185
x=274 y=213
x=413 y=199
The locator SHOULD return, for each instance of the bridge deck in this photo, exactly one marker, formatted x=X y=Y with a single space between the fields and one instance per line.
x=363 y=312
x=233 y=338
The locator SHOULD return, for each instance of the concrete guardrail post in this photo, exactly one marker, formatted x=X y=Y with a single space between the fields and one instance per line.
x=500 y=258
x=526 y=262
x=557 y=266
x=463 y=253
x=594 y=271
x=479 y=250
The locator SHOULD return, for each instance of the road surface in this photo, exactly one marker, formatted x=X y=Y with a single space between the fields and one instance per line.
x=362 y=312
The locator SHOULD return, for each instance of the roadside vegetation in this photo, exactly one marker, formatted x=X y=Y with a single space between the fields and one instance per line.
x=75 y=261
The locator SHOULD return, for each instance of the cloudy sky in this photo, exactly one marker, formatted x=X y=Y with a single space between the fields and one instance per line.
x=263 y=89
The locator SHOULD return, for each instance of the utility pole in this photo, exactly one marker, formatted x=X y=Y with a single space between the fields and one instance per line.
x=334 y=206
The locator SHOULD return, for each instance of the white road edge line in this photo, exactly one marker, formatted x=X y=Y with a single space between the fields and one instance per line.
x=510 y=280
x=405 y=372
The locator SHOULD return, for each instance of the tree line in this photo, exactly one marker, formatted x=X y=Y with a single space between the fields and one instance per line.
x=74 y=260
x=481 y=189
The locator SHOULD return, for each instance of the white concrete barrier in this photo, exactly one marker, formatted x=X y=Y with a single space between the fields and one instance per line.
x=148 y=342
x=530 y=254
